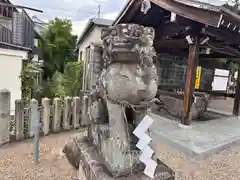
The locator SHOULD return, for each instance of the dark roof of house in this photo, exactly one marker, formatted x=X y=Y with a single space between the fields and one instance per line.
x=91 y=23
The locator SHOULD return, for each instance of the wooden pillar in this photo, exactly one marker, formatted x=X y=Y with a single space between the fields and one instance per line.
x=237 y=94
x=190 y=80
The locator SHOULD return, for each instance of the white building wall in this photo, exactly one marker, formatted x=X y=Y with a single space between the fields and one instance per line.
x=93 y=37
x=10 y=70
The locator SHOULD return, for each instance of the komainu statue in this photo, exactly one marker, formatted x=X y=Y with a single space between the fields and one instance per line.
x=124 y=92
x=129 y=85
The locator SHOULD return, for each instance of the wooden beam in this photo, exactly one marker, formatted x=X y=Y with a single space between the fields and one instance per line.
x=200 y=15
x=226 y=35
x=237 y=94
x=168 y=30
x=171 y=42
x=229 y=25
x=230 y=16
x=147 y=20
x=177 y=52
x=181 y=44
x=214 y=56
x=128 y=17
x=226 y=50
x=190 y=80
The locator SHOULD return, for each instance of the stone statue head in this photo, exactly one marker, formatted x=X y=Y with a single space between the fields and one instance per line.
x=126 y=42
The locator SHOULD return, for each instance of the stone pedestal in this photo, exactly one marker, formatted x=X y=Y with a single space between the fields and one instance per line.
x=93 y=167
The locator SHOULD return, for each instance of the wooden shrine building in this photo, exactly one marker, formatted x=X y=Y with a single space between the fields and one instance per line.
x=190 y=29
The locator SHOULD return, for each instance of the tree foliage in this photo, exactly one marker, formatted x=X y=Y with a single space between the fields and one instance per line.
x=27 y=77
x=65 y=84
x=73 y=73
x=234 y=6
x=57 y=46
x=62 y=72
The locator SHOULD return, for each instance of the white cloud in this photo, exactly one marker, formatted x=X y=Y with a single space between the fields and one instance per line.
x=111 y=16
x=78 y=26
x=77 y=11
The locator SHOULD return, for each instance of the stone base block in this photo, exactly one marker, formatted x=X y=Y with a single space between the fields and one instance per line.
x=92 y=165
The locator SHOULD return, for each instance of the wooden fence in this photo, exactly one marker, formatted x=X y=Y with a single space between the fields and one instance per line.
x=54 y=116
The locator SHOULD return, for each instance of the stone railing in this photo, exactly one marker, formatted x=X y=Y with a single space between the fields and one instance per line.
x=51 y=116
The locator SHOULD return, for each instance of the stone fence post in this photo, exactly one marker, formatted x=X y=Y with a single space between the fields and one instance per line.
x=67 y=112
x=85 y=111
x=46 y=115
x=5 y=118
x=76 y=112
x=57 y=115
x=19 y=119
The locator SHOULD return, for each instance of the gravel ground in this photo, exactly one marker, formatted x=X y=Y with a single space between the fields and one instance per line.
x=222 y=104
x=222 y=166
x=16 y=160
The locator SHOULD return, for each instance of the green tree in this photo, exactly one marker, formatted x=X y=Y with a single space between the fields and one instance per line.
x=73 y=73
x=65 y=84
x=57 y=46
x=234 y=6
x=62 y=72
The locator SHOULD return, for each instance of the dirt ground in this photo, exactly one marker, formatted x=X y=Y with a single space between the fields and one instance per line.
x=16 y=160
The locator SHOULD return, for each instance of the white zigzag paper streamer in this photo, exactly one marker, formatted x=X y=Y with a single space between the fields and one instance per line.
x=143 y=145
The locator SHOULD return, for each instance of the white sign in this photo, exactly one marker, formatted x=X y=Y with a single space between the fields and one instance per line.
x=221 y=72
x=220 y=81
x=219 y=84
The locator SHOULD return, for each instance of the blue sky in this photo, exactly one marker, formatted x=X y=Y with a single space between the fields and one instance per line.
x=79 y=11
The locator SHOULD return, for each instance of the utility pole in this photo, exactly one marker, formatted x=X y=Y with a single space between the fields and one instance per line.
x=99 y=11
